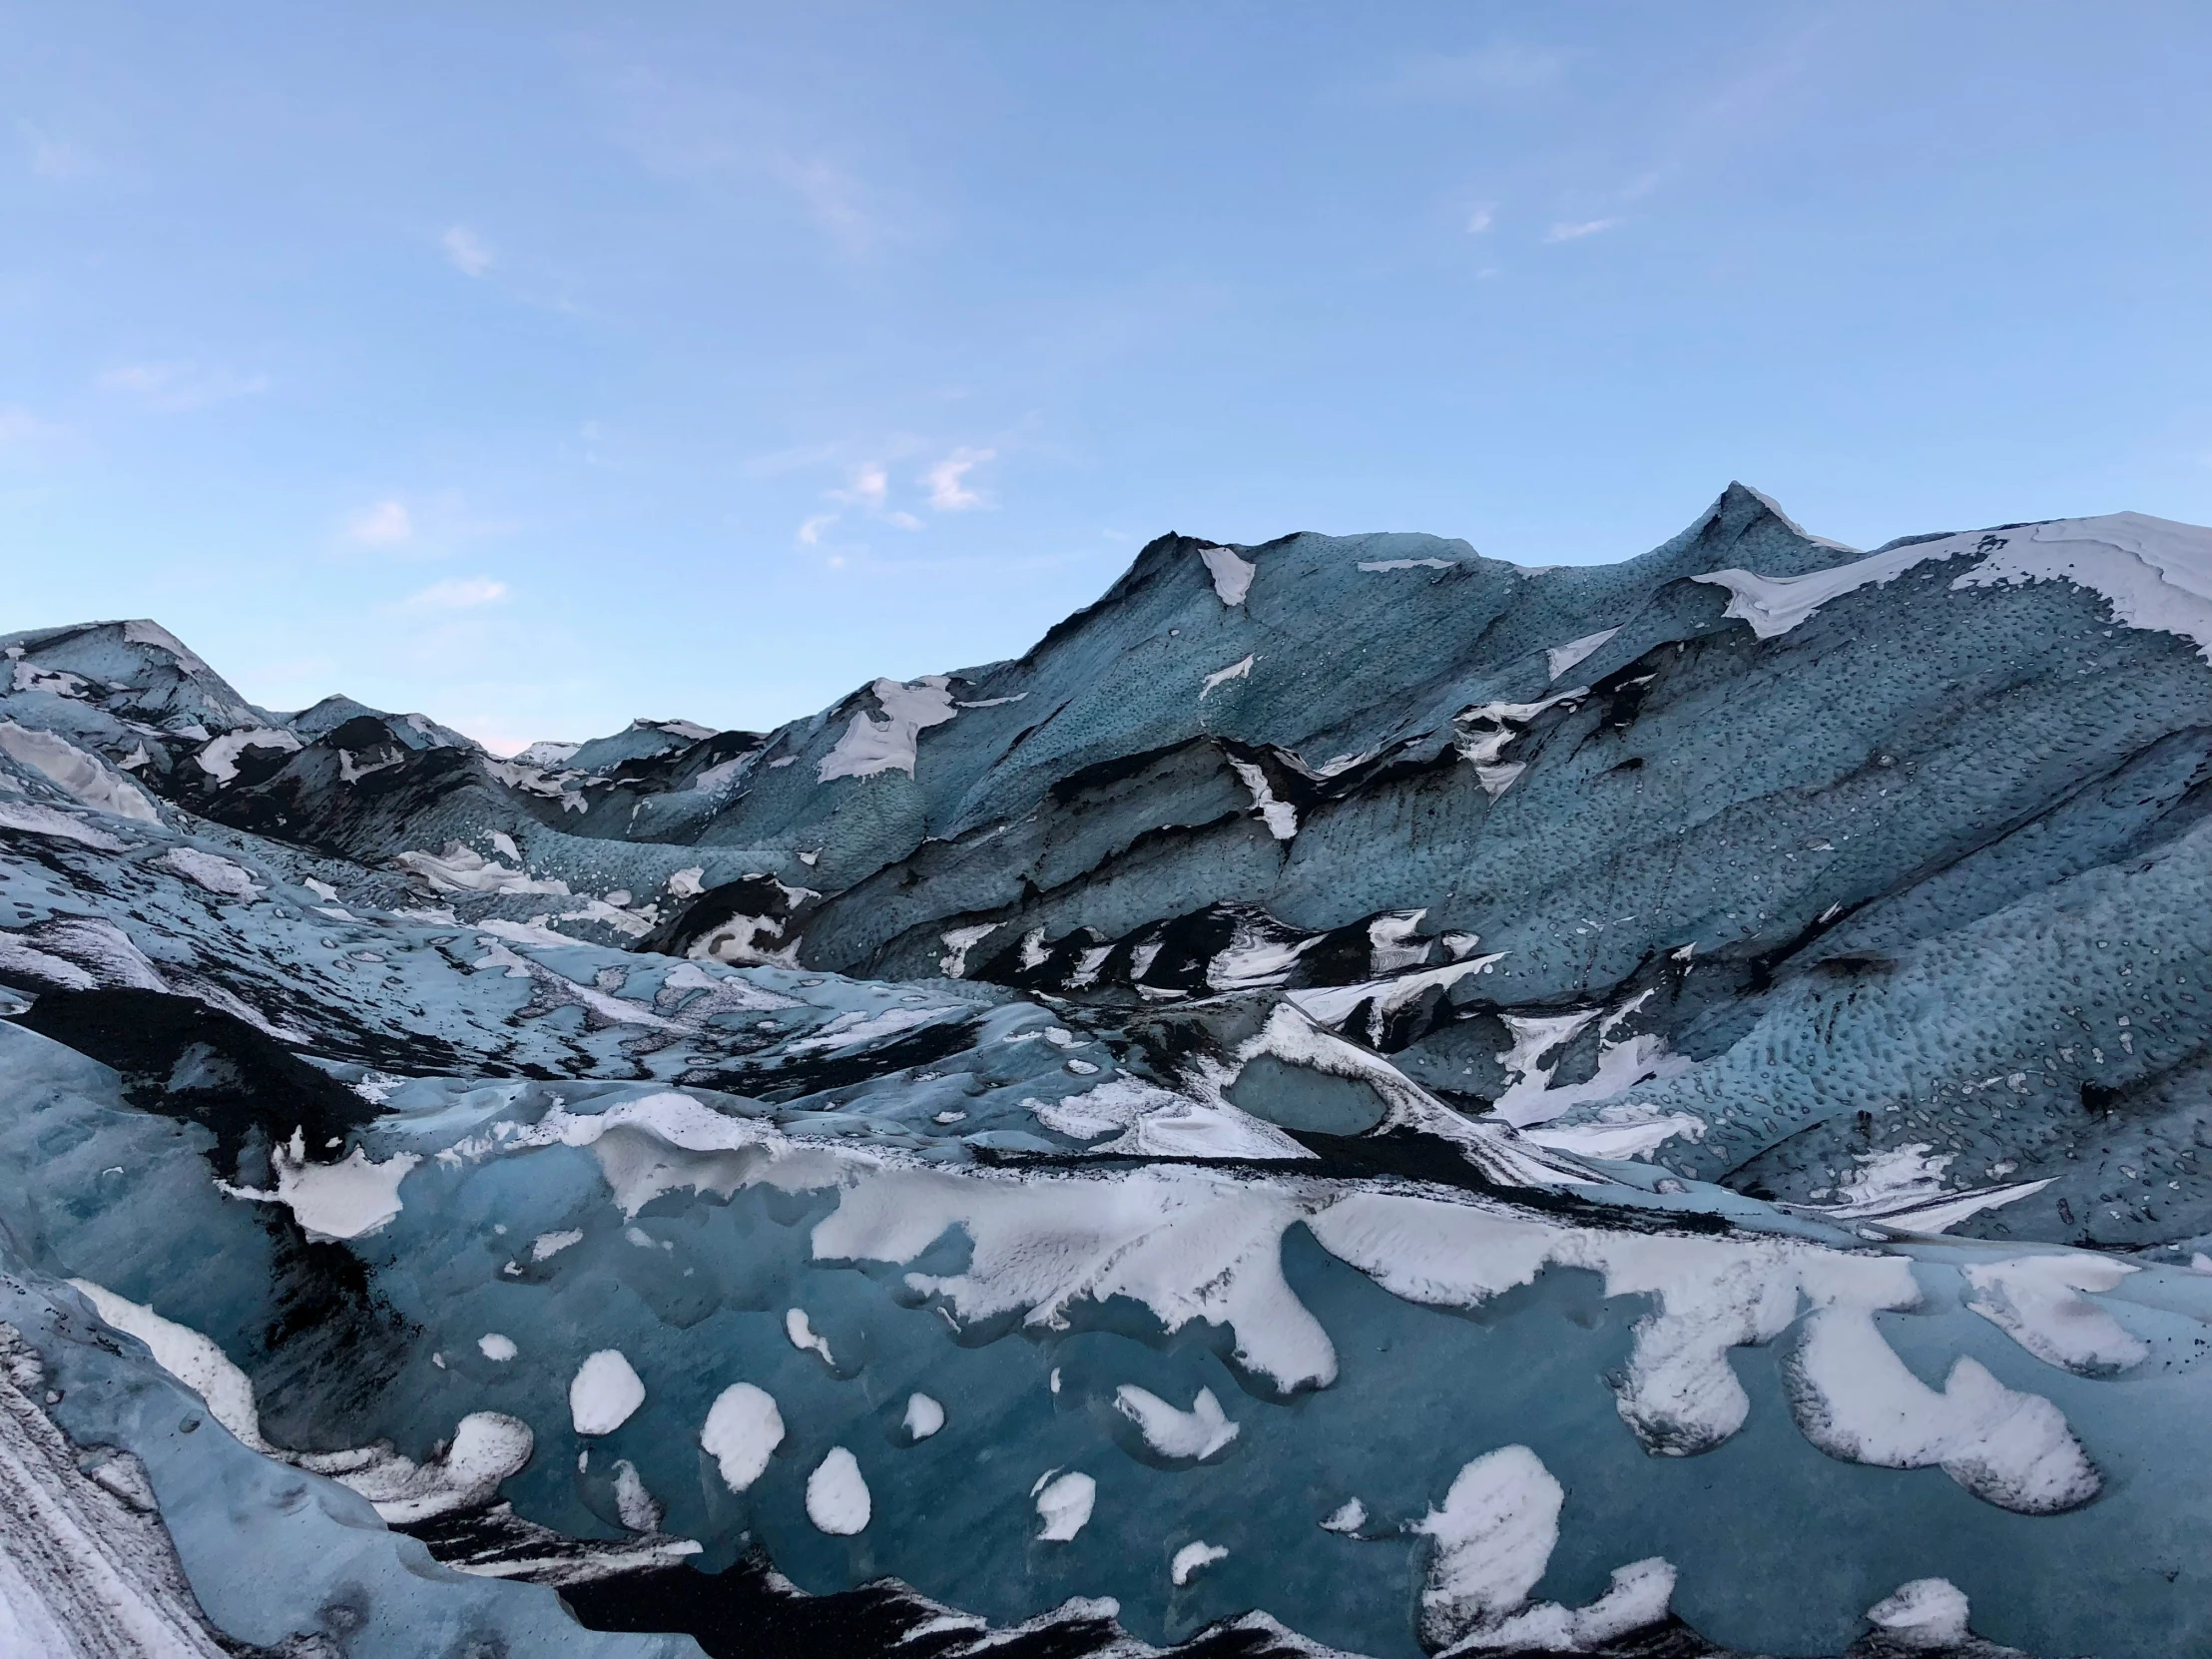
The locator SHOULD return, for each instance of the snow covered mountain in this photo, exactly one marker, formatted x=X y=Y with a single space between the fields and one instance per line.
x=1358 y=1097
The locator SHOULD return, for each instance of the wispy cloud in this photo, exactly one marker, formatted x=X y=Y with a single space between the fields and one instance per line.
x=830 y=196
x=1576 y=231
x=906 y=521
x=810 y=532
x=19 y=429
x=53 y=157
x=869 y=483
x=174 y=387
x=470 y=254
x=744 y=151
x=948 y=491
x=1480 y=221
x=386 y=524
x=422 y=525
x=779 y=462
x=1503 y=70
x=462 y=594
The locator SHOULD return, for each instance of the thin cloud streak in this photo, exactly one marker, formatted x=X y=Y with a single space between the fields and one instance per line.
x=948 y=491
x=470 y=253
x=461 y=594
x=176 y=387
x=19 y=429
x=386 y=524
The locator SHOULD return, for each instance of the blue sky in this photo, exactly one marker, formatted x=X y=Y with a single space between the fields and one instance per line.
x=538 y=365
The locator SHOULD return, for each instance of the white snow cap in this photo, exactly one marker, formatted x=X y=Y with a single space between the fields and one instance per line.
x=1927 y=1613
x=1191 y=1558
x=1240 y=669
x=351 y=1198
x=837 y=1495
x=742 y=1431
x=925 y=1417
x=604 y=1393
x=220 y=759
x=2153 y=572
x=85 y=776
x=872 y=746
x=1064 y=1505
x=1232 y=575
x=210 y=870
x=1494 y=1536
x=1560 y=658
x=1195 y=1435
x=800 y=1331
x=185 y=1354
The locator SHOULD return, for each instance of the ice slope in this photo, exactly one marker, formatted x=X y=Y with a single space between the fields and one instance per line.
x=1399 y=1104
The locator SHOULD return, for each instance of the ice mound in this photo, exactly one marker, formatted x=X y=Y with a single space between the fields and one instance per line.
x=1356 y=1099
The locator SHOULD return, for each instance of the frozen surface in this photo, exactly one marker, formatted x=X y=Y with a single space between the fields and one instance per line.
x=1356 y=1099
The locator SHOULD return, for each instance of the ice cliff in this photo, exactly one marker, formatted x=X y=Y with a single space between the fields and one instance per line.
x=1357 y=1098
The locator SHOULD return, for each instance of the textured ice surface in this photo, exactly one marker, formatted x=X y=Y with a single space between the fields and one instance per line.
x=1057 y=1156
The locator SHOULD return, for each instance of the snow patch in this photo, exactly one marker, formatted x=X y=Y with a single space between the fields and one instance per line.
x=2154 y=573
x=462 y=868
x=487 y=1447
x=87 y=777
x=925 y=1417
x=1193 y=1557
x=958 y=941
x=1637 y=1599
x=742 y=1433
x=141 y=632
x=219 y=759
x=185 y=1354
x=1232 y=576
x=348 y=1200
x=1348 y=1516
x=604 y=1392
x=45 y=820
x=210 y=871
x=1191 y=1436
x=2037 y=1301
x=1623 y=1131
x=802 y=1334
x=851 y=1030
x=1560 y=658
x=1159 y=1123
x=1240 y=670
x=1530 y=1098
x=1279 y=815
x=870 y=746
x=1332 y=1005
x=1494 y=1536
x=1928 y=1613
x=1064 y=1505
x=837 y=1495
x=1855 y=1399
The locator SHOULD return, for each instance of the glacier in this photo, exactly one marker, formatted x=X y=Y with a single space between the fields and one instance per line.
x=1356 y=1099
